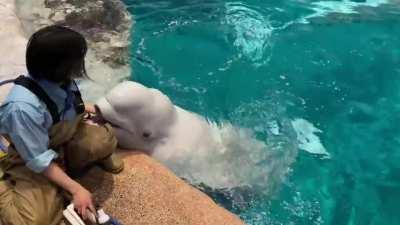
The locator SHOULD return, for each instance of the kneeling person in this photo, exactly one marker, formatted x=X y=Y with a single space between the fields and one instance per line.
x=50 y=142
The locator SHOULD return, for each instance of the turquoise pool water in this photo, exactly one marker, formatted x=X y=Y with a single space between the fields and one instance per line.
x=335 y=64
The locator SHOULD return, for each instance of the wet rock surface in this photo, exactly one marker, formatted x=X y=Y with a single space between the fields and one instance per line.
x=106 y=25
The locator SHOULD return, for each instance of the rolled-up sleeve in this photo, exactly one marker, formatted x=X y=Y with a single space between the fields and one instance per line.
x=26 y=127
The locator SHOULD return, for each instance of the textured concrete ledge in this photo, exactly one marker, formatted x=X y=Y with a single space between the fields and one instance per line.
x=146 y=192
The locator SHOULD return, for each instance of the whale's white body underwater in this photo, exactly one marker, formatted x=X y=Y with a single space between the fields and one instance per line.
x=220 y=156
x=217 y=155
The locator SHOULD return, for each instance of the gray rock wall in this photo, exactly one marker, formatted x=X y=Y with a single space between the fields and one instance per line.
x=106 y=24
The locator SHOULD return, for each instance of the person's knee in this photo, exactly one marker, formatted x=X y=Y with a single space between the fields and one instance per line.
x=11 y=213
x=102 y=141
x=91 y=143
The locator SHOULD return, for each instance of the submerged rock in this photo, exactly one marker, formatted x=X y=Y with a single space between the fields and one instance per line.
x=146 y=192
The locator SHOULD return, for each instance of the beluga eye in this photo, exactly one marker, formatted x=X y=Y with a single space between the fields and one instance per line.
x=146 y=134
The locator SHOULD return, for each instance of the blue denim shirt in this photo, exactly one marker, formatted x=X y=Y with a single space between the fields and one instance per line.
x=27 y=121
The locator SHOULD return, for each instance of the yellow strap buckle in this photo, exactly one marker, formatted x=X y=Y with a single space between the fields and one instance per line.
x=2 y=154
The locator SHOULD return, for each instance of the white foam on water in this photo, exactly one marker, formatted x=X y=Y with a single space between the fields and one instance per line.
x=307 y=137
x=221 y=156
x=324 y=8
x=252 y=32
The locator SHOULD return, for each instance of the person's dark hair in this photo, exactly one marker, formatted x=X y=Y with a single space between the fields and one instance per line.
x=56 y=53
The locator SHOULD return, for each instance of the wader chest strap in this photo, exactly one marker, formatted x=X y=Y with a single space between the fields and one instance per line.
x=78 y=104
x=35 y=88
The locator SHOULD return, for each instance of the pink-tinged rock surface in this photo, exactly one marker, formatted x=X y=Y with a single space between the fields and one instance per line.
x=146 y=192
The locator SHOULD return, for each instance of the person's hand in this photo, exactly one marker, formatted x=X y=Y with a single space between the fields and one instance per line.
x=89 y=108
x=82 y=200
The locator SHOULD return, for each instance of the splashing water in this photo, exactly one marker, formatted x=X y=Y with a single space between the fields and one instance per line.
x=324 y=8
x=252 y=32
x=231 y=156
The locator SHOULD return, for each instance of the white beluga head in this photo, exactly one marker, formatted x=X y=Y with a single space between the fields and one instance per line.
x=140 y=116
x=144 y=118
